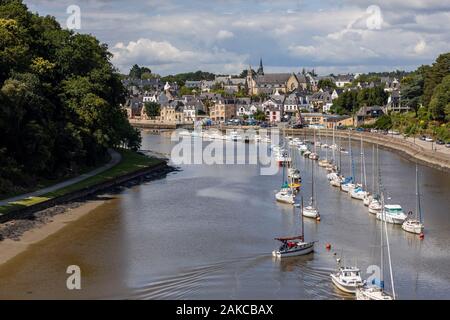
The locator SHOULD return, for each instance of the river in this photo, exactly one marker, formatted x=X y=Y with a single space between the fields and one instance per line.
x=206 y=232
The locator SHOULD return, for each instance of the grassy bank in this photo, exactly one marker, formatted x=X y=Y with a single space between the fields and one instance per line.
x=131 y=162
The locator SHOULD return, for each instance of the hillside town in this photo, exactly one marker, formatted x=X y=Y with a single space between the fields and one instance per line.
x=302 y=98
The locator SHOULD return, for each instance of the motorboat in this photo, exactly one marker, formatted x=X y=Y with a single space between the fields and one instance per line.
x=347 y=279
x=393 y=213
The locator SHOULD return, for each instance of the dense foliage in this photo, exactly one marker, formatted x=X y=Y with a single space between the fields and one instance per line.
x=351 y=101
x=137 y=72
x=181 y=78
x=59 y=100
x=152 y=109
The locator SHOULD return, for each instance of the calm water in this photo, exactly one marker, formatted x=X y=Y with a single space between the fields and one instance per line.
x=206 y=232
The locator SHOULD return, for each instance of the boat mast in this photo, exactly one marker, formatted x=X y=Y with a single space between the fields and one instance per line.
x=364 y=167
x=340 y=155
x=362 y=161
x=303 y=227
x=312 y=185
x=333 y=152
x=389 y=254
x=352 y=165
x=373 y=169
x=418 y=208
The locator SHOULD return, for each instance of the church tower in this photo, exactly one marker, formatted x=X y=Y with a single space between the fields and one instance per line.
x=260 y=71
x=250 y=81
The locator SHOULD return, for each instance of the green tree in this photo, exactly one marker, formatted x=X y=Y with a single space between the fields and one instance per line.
x=152 y=109
x=439 y=107
x=326 y=84
x=259 y=115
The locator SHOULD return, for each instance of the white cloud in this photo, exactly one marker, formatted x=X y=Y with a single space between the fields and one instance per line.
x=224 y=34
x=420 y=47
x=162 y=56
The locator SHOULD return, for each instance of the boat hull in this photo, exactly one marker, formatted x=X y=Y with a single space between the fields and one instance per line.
x=310 y=212
x=343 y=287
x=390 y=218
x=300 y=251
x=363 y=293
x=416 y=227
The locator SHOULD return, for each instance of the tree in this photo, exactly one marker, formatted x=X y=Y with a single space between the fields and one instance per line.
x=434 y=75
x=439 y=107
x=60 y=100
x=137 y=72
x=152 y=109
x=259 y=115
x=325 y=84
x=412 y=90
x=244 y=73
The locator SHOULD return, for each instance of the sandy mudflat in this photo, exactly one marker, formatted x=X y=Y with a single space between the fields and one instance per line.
x=10 y=248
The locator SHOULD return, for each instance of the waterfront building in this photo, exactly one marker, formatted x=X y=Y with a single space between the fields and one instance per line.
x=222 y=110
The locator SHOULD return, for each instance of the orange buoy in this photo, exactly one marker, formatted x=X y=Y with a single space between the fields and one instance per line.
x=328 y=246
x=421 y=236
x=318 y=218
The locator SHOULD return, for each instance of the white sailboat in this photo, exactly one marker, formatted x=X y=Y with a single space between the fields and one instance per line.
x=324 y=162
x=373 y=291
x=314 y=155
x=359 y=191
x=415 y=224
x=369 y=196
x=294 y=246
x=286 y=193
x=375 y=204
x=311 y=211
x=348 y=184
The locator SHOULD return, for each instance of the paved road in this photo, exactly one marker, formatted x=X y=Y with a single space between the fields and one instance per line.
x=115 y=159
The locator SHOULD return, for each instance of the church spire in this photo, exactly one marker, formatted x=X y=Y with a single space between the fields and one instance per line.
x=261 y=68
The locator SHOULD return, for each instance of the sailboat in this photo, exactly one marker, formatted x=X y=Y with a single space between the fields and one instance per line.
x=314 y=155
x=374 y=292
x=414 y=224
x=359 y=191
x=375 y=204
x=324 y=162
x=286 y=193
x=294 y=246
x=311 y=211
x=347 y=185
x=369 y=196
x=335 y=177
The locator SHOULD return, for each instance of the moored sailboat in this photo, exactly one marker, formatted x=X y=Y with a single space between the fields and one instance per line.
x=415 y=224
x=376 y=291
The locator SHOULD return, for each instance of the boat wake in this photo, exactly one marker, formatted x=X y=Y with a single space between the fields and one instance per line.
x=240 y=278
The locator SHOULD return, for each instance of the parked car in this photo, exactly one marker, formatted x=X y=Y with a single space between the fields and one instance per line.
x=429 y=139
x=440 y=142
x=297 y=126
x=422 y=138
x=447 y=145
x=360 y=129
x=374 y=130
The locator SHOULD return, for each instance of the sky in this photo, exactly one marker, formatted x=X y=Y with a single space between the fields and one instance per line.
x=226 y=36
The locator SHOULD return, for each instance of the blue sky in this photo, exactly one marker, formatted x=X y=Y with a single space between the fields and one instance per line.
x=226 y=36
